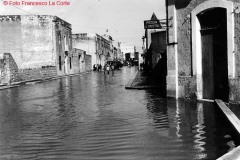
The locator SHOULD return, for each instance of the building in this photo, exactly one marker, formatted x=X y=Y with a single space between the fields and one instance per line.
x=136 y=58
x=110 y=56
x=157 y=55
x=9 y=69
x=154 y=48
x=88 y=63
x=203 y=49
x=129 y=50
x=115 y=53
x=81 y=61
x=39 y=42
x=118 y=55
x=95 y=45
x=106 y=50
x=157 y=51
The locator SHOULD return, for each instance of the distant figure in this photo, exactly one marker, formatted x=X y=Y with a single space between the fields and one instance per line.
x=141 y=66
x=107 y=68
x=99 y=67
x=112 y=68
x=94 y=67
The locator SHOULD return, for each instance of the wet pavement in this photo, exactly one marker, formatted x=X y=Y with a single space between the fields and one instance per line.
x=93 y=116
x=144 y=80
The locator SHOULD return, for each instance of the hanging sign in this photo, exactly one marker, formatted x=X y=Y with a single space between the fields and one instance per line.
x=152 y=24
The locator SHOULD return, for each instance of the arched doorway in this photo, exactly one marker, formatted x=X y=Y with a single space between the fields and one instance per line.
x=213 y=31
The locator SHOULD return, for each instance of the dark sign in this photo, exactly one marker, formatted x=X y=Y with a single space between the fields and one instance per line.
x=152 y=24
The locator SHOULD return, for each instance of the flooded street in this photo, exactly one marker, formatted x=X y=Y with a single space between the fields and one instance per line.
x=92 y=116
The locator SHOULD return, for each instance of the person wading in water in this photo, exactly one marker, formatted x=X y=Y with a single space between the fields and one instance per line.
x=107 y=68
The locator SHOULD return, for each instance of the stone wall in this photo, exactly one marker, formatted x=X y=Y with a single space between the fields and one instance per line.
x=9 y=69
x=28 y=39
x=187 y=87
x=36 y=73
x=237 y=41
x=36 y=41
x=13 y=68
x=11 y=73
x=234 y=89
x=40 y=47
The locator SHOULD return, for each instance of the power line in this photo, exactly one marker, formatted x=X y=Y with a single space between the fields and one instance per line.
x=115 y=29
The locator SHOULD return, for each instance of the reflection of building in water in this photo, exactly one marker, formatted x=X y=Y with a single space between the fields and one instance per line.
x=185 y=118
x=199 y=137
x=174 y=118
x=177 y=121
x=159 y=116
x=200 y=129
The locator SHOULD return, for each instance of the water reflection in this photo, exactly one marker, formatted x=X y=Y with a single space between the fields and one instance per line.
x=199 y=130
x=191 y=126
x=177 y=121
x=93 y=117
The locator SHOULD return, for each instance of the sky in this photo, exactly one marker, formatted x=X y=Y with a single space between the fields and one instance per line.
x=122 y=19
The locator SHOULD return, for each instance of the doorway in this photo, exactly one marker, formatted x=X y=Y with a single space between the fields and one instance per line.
x=213 y=23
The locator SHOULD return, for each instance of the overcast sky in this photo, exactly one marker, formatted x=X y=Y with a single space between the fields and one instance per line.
x=122 y=18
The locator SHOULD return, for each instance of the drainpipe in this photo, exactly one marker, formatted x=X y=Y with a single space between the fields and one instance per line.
x=147 y=56
x=166 y=6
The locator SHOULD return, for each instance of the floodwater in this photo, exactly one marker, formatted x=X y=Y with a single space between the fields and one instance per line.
x=92 y=116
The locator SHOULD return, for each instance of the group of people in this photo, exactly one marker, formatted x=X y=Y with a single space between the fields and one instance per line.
x=107 y=68
x=97 y=67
